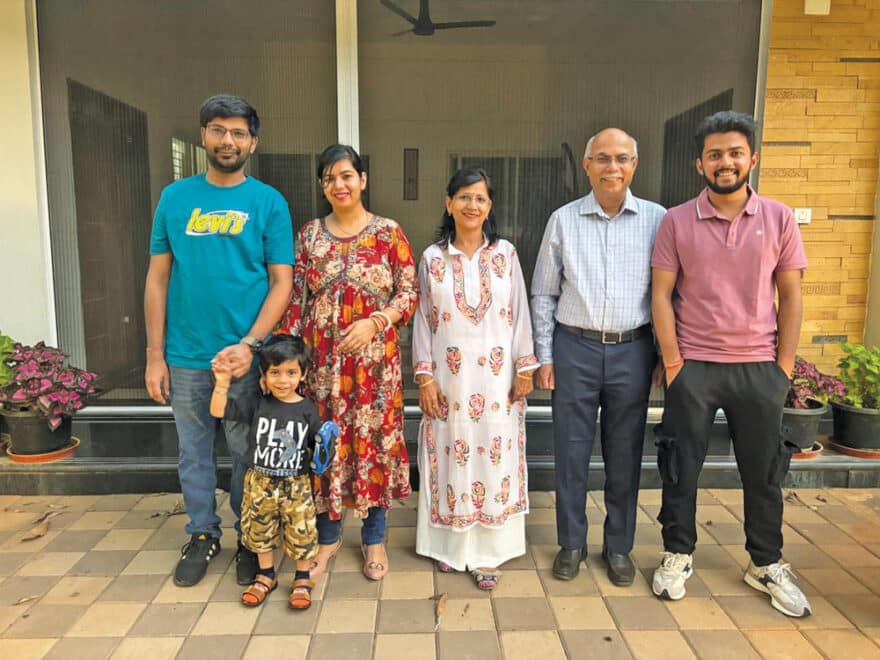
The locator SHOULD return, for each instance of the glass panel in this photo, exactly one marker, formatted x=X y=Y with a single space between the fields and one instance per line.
x=122 y=81
x=522 y=96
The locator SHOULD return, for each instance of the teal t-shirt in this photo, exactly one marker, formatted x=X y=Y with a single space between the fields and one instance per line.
x=221 y=240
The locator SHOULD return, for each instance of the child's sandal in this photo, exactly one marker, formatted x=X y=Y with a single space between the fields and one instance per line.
x=486 y=578
x=443 y=567
x=301 y=594
x=259 y=590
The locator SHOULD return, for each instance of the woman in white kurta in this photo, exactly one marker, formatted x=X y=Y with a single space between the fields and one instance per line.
x=474 y=359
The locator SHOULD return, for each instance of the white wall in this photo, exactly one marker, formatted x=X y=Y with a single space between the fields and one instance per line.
x=26 y=298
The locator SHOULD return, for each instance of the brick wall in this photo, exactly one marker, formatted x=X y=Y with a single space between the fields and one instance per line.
x=821 y=144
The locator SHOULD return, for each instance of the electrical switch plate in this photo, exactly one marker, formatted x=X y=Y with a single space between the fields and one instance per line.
x=817 y=7
x=803 y=216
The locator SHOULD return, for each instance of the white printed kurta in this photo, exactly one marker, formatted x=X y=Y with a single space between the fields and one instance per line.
x=472 y=333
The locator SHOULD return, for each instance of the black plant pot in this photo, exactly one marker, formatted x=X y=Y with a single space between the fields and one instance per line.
x=858 y=428
x=801 y=425
x=30 y=433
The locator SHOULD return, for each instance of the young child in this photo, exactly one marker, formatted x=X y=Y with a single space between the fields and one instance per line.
x=277 y=503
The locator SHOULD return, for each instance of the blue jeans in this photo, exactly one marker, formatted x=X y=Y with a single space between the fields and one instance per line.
x=372 y=530
x=197 y=467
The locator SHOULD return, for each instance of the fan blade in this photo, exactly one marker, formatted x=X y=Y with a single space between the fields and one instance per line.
x=400 y=34
x=463 y=24
x=397 y=9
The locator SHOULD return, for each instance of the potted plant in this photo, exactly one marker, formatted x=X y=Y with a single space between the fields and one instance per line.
x=856 y=414
x=807 y=402
x=40 y=395
x=7 y=348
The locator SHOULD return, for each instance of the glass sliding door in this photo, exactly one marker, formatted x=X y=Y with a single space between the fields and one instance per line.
x=521 y=96
x=122 y=81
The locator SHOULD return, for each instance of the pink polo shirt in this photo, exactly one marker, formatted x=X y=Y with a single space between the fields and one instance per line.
x=724 y=299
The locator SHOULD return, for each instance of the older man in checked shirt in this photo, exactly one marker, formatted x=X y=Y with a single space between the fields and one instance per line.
x=591 y=303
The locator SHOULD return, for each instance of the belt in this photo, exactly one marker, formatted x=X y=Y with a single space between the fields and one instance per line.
x=609 y=337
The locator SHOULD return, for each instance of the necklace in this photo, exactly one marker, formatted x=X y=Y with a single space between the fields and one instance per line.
x=360 y=224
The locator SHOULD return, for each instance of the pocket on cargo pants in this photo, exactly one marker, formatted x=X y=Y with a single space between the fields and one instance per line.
x=667 y=456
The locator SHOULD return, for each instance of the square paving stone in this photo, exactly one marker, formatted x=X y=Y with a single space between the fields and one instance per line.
x=141 y=520
x=822 y=615
x=806 y=555
x=122 y=502
x=134 y=588
x=25 y=649
x=640 y=613
x=469 y=644
x=107 y=619
x=14 y=588
x=658 y=644
x=541 y=534
x=76 y=590
x=530 y=644
x=467 y=614
x=276 y=618
x=347 y=616
x=754 y=612
x=721 y=645
x=78 y=648
x=123 y=539
x=833 y=581
x=726 y=534
x=713 y=556
x=218 y=646
x=595 y=645
x=50 y=563
x=402 y=518
x=167 y=619
x=523 y=614
x=154 y=648
x=105 y=520
x=406 y=559
x=405 y=647
x=165 y=539
x=10 y=562
x=409 y=584
x=582 y=585
x=351 y=585
x=693 y=613
x=822 y=533
x=581 y=613
x=226 y=618
x=406 y=616
x=103 y=562
x=278 y=647
x=782 y=644
x=864 y=611
x=148 y=562
x=76 y=540
x=342 y=645
x=45 y=621
x=843 y=644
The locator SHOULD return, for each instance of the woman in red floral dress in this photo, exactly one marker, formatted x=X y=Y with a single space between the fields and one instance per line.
x=354 y=282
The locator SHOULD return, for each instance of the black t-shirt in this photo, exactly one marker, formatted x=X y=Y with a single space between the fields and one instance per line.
x=281 y=434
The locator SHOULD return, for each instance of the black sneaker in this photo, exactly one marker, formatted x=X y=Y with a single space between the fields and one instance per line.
x=194 y=558
x=245 y=565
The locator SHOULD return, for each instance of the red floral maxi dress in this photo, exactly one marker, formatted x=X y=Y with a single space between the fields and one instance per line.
x=337 y=281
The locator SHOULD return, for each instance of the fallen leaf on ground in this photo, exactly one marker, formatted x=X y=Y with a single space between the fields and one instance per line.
x=467 y=606
x=793 y=498
x=58 y=506
x=37 y=532
x=440 y=608
x=48 y=516
x=822 y=499
x=25 y=599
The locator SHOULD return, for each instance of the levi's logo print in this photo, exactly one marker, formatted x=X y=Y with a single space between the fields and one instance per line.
x=225 y=223
x=280 y=446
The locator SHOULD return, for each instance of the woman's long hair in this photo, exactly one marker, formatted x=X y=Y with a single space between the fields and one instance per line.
x=462 y=179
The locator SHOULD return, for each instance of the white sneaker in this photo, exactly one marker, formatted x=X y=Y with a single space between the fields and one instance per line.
x=670 y=576
x=778 y=581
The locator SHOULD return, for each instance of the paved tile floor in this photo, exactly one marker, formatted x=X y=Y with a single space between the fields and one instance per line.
x=97 y=585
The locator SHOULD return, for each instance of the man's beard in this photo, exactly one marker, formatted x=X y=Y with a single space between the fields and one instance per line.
x=228 y=167
x=726 y=190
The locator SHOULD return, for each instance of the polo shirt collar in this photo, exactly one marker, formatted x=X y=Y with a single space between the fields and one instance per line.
x=705 y=210
x=589 y=205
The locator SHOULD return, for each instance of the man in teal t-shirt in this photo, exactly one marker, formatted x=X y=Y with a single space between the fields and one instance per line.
x=221 y=255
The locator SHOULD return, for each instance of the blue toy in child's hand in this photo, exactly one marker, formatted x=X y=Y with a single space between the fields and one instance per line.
x=325 y=446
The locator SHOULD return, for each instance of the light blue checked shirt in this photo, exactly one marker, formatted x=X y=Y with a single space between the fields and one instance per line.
x=594 y=272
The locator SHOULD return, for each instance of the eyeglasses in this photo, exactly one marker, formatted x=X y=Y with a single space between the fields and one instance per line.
x=605 y=159
x=347 y=178
x=219 y=132
x=466 y=199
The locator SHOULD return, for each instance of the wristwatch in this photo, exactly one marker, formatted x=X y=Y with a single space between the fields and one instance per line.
x=252 y=342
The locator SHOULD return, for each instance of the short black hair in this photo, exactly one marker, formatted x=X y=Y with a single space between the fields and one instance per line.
x=465 y=177
x=726 y=121
x=281 y=348
x=338 y=152
x=227 y=105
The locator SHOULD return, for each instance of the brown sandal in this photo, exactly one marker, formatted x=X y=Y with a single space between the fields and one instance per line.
x=301 y=594
x=375 y=570
x=259 y=590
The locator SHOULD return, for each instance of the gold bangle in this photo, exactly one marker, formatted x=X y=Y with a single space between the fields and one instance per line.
x=426 y=383
x=384 y=316
x=377 y=323
x=528 y=376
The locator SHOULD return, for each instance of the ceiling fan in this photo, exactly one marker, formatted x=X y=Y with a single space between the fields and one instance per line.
x=423 y=26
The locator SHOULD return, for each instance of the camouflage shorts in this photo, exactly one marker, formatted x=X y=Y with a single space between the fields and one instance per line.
x=274 y=504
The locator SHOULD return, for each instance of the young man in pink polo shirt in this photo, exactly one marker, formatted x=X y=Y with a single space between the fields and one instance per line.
x=718 y=263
